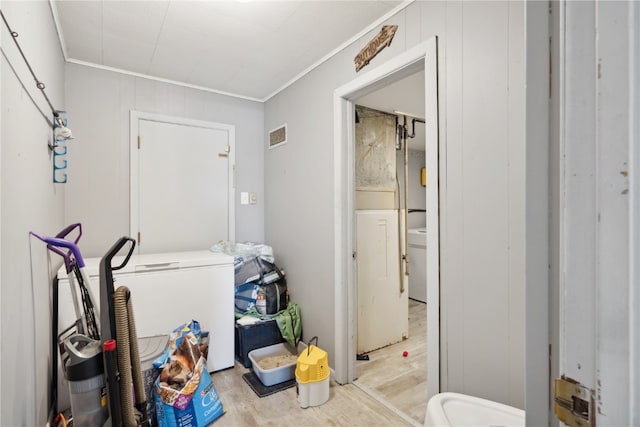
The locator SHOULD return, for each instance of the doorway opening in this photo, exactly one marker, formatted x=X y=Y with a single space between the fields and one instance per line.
x=390 y=245
x=422 y=58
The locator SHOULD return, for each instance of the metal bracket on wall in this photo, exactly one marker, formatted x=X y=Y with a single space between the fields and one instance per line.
x=59 y=149
x=573 y=403
x=227 y=150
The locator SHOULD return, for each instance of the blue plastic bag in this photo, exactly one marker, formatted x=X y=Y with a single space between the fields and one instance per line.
x=184 y=393
x=245 y=296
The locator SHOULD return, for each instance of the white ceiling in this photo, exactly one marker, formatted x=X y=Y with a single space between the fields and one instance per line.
x=250 y=49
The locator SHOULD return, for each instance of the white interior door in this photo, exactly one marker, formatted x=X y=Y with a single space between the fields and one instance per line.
x=182 y=190
x=383 y=305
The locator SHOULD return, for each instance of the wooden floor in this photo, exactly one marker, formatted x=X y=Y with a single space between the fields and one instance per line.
x=401 y=381
x=388 y=377
x=347 y=406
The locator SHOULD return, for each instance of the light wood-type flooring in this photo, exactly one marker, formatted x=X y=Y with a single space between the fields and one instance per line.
x=348 y=405
x=400 y=381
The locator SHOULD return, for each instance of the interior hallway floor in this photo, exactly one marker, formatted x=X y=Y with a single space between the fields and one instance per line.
x=348 y=405
x=400 y=381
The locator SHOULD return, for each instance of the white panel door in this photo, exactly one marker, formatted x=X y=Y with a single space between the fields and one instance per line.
x=184 y=197
x=383 y=307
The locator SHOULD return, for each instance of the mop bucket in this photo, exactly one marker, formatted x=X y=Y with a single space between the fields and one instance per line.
x=312 y=376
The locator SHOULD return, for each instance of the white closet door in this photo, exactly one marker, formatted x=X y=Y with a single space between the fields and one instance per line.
x=383 y=310
x=183 y=187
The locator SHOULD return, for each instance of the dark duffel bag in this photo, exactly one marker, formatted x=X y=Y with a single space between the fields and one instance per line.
x=273 y=285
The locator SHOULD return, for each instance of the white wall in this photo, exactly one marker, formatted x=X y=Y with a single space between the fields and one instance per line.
x=98 y=188
x=30 y=202
x=481 y=65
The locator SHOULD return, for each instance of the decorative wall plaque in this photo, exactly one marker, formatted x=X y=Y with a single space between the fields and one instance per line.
x=375 y=46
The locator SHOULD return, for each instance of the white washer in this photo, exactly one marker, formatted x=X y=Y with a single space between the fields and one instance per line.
x=417 y=239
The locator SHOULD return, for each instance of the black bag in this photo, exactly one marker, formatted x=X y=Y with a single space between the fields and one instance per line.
x=276 y=296
x=273 y=285
x=251 y=270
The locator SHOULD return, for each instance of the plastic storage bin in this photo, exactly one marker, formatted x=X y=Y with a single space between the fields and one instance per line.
x=251 y=337
x=312 y=377
x=149 y=348
x=278 y=374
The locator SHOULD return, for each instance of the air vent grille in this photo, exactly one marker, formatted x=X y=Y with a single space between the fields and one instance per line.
x=278 y=136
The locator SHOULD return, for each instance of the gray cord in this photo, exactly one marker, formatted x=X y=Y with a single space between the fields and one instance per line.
x=44 y=115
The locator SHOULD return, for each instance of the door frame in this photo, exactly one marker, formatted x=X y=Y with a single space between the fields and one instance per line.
x=135 y=117
x=422 y=55
x=598 y=215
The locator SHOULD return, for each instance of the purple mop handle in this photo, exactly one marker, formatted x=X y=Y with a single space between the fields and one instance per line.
x=68 y=262
x=54 y=243
x=62 y=234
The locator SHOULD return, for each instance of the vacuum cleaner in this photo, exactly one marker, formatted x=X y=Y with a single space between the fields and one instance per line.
x=120 y=345
x=82 y=357
x=94 y=357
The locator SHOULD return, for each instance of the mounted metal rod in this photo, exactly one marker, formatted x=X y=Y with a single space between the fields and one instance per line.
x=400 y=143
x=413 y=127
x=39 y=84
x=399 y=231
x=406 y=206
x=405 y=246
x=398 y=135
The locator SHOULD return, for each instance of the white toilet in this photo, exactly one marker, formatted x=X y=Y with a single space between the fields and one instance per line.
x=459 y=410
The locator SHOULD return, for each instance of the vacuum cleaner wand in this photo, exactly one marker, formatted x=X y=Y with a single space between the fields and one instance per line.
x=108 y=322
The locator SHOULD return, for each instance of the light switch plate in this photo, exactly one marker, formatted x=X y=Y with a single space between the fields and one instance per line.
x=244 y=198
x=253 y=198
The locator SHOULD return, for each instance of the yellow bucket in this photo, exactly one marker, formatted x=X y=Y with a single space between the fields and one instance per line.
x=312 y=376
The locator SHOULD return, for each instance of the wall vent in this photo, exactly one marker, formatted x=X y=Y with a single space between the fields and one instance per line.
x=278 y=136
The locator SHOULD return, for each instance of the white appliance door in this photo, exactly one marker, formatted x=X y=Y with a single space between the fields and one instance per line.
x=383 y=307
x=183 y=187
x=163 y=300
